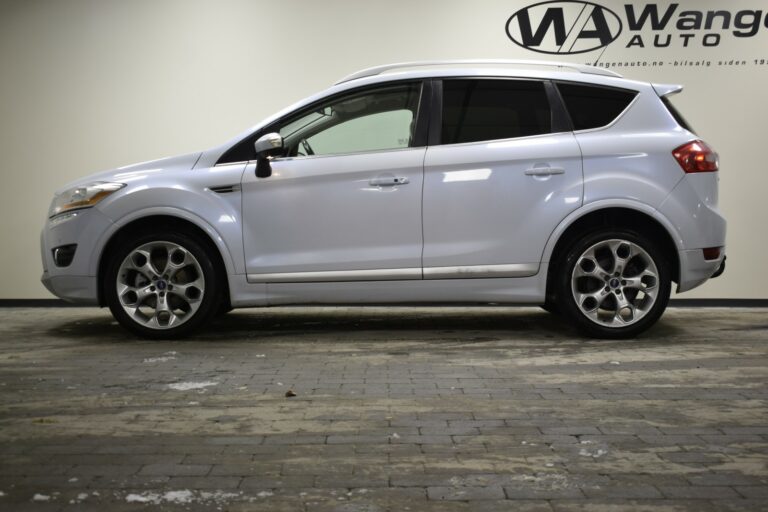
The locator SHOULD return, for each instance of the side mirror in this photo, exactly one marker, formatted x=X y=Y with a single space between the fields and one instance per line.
x=267 y=146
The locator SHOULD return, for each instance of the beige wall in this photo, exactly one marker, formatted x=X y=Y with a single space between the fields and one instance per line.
x=90 y=85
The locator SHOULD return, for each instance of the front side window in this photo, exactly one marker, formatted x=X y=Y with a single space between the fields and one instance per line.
x=373 y=120
x=486 y=109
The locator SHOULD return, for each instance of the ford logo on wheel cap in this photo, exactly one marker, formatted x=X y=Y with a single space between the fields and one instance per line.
x=564 y=27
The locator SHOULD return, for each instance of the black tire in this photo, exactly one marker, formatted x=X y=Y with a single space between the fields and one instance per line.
x=551 y=308
x=210 y=299
x=572 y=311
x=224 y=308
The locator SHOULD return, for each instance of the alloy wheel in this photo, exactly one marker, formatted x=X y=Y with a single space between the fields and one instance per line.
x=160 y=285
x=615 y=283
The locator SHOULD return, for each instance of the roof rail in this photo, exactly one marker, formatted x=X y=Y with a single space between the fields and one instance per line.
x=581 y=68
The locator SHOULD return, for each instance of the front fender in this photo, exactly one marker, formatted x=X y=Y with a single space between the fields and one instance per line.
x=219 y=218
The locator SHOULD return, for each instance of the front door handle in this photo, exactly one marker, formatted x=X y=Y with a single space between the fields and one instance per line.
x=544 y=171
x=388 y=181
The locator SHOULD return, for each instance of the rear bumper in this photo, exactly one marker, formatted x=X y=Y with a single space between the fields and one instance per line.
x=695 y=270
x=720 y=270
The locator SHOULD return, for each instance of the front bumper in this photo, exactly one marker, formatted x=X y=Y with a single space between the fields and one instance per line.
x=76 y=289
x=76 y=282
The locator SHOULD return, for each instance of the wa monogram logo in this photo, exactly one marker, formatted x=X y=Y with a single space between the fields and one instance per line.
x=564 y=27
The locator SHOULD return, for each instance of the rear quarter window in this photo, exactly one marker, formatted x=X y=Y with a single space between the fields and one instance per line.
x=676 y=114
x=592 y=106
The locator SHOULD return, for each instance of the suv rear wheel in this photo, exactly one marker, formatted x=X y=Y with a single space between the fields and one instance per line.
x=162 y=285
x=613 y=283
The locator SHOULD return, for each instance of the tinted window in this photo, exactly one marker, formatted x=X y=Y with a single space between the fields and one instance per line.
x=363 y=121
x=375 y=120
x=676 y=114
x=593 y=106
x=477 y=110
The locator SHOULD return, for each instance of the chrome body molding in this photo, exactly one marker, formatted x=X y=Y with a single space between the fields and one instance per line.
x=385 y=274
x=399 y=274
x=482 y=271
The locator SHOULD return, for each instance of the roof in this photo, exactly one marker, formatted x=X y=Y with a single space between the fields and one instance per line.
x=560 y=66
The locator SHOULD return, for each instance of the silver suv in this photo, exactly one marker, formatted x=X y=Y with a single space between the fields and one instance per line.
x=436 y=182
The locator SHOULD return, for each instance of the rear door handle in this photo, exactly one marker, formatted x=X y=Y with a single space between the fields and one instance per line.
x=544 y=171
x=388 y=181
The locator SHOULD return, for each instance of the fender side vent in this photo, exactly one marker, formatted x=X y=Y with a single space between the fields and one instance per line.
x=225 y=189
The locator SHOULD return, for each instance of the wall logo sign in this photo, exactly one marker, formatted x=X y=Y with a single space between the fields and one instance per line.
x=564 y=27
x=573 y=26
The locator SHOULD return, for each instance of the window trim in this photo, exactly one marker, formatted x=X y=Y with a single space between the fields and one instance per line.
x=420 y=131
x=557 y=124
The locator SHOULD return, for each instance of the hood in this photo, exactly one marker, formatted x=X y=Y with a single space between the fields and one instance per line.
x=136 y=172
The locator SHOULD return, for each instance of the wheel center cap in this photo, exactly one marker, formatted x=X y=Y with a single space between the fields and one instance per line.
x=161 y=284
x=614 y=283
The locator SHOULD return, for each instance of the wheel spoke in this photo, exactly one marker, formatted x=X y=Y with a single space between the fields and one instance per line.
x=625 y=311
x=139 y=261
x=587 y=266
x=647 y=280
x=621 y=252
x=190 y=292
x=178 y=258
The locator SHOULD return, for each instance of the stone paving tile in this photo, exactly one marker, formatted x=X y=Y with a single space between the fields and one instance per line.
x=455 y=409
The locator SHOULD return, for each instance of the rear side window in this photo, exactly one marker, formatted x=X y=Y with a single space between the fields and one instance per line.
x=593 y=106
x=486 y=109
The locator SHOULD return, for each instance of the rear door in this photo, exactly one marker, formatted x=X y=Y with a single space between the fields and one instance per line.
x=500 y=173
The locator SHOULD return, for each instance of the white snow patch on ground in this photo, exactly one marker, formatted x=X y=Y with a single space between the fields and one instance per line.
x=265 y=494
x=181 y=497
x=167 y=356
x=161 y=359
x=178 y=496
x=187 y=386
x=82 y=496
x=147 y=497
x=2 y=494
x=596 y=453
x=41 y=497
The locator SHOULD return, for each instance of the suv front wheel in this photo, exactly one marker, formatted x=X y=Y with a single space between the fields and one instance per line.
x=613 y=283
x=162 y=285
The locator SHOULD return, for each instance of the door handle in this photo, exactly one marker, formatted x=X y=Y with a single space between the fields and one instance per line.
x=544 y=171
x=388 y=181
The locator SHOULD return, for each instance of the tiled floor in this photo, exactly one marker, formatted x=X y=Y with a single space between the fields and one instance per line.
x=474 y=409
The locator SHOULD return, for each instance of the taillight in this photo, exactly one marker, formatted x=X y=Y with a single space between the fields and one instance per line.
x=696 y=156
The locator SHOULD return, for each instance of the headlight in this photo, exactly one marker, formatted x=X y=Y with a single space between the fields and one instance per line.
x=84 y=196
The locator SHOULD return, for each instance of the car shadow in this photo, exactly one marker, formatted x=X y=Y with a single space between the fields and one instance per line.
x=300 y=324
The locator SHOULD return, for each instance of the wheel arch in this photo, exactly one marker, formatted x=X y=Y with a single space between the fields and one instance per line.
x=165 y=220
x=640 y=218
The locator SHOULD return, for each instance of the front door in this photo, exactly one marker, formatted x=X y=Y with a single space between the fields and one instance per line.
x=344 y=202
